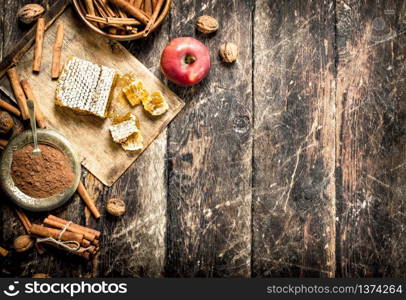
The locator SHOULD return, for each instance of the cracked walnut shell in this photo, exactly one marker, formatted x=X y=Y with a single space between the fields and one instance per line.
x=229 y=52
x=23 y=243
x=116 y=207
x=207 y=24
x=6 y=122
x=30 y=12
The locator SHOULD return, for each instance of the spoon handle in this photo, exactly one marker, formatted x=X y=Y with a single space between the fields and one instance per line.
x=31 y=110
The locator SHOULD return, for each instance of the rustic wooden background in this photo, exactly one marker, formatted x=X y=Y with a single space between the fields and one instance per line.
x=290 y=162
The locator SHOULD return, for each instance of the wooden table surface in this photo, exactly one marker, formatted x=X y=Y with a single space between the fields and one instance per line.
x=290 y=162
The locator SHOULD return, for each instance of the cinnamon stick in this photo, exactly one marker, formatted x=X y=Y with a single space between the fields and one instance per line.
x=39 y=116
x=56 y=233
x=88 y=200
x=100 y=9
x=3 y=143
x=132 y=10
x=24 y=220
x=106 y=11
x=56 y=59
x=152 y=20
x=91 y=249
x=89 y=7
x=27 y=226
x=121 y=14
x=105 y=6
x=10 y=108
x=113 y=21
x=137 y=3
x=62 y=221
x=39 y=41
x=85 y=243
x=3 y=252
x=18 y=92
x=154 y=2
x=148 y=7
x=87 y=235
x=123 y=21
x=80 y=252
x=100 y=12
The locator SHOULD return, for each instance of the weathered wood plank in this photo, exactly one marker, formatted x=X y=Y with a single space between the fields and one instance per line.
x=53 y=262
x=2 y=243
x=293 y=175
x=96 y=190
x=371 y=138
x=140 y=250
x=134 y=245
x=209 y=152
x=2 y=8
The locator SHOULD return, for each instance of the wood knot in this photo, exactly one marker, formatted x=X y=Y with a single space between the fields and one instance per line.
x=242 y=124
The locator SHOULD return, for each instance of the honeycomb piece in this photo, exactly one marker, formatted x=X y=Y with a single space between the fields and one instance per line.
x=135 y=92
x=123 y=128
x=134 y=142
x=85 y=87
x=155 y=104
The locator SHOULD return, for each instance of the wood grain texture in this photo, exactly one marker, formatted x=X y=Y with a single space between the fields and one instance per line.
x=27 y=264
x=2 y=212
x=293 y=175
x=136 y=250
x=135 y=244
x=96 y=190
x=209 y=152
x=2 y=8
x=371 y=138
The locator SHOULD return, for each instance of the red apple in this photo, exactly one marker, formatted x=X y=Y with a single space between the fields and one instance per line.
x=185 y=61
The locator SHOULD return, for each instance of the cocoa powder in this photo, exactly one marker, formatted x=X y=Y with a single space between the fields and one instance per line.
x=43 y=175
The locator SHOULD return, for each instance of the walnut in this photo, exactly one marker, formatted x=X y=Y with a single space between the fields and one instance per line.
x=116 y=207
x=3 y=252
x=41 y=275
x=229 y=52
x=23 y=243
x=207 y=24
x=30 y=12
x=6 y=122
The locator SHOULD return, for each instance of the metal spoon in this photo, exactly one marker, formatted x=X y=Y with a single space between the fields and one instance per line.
x=31 y=110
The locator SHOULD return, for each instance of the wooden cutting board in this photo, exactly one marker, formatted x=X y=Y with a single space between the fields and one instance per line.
x=90 y=135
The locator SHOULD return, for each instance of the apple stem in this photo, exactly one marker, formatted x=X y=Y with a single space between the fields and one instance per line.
x=189 y=59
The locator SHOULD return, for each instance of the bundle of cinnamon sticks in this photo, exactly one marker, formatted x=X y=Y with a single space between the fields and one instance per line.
x=122 y=17
x=59 y=232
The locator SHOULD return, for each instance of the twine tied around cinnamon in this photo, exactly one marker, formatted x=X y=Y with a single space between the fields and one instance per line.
x=63 y=244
